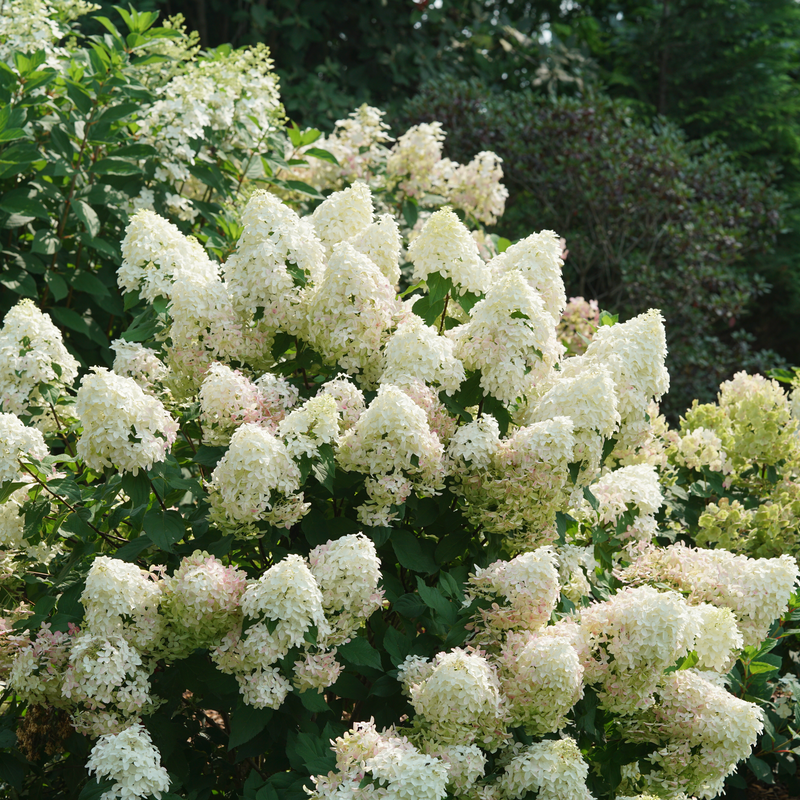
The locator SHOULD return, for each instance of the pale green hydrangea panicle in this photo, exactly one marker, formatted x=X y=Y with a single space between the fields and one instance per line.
x=343 y=216
x=18 y=442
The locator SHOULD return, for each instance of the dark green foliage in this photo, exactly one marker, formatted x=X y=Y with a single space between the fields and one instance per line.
x=649 y=219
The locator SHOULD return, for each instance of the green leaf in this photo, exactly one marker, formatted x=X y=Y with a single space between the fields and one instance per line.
x=95 y=789
x=7 y=488
x=137 y=487
x=115 y=166
x=87 y=215
x=396 y=645
x=303 y=188
x=590 y=498
x=84 y=325
x=608 y=319
x=761 y=769
x=436 y=601
x=410 y=553
x=20 y=201
x=314 y=701
x=164 y=528
x=759 y=667
x=502 y=244
x=409 y=605
x=56 y=284
x=45 y=242
x=410 y=212
x=323 y=154
x=361 y=653
x=89 y=284
x=247 y=722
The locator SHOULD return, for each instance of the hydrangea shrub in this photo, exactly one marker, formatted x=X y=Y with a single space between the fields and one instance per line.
x=312 y=538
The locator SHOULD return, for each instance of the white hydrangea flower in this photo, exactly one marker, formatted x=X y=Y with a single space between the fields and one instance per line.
x=700 y=448
x=475 y=187
x=347 y=571
x=37 y=669
x=475 y=444
x=461 y=701
x=538 y=258
x=316 y=672
x=718 y=639
x=155 y=253
x=393 y=445
x=466 y=764
x=576 y=565
x=307 y=428
x=528 y=585
x=121 y=598
x=445 y=246
x=415 y=351
x=412 y=162
x=409 y=774
x=349 y=401
x=350 y=313
x=637 y=485
x=122 y=426
x=276 y=254
x=134 y=360
x=635 y=635
x=206 y=328
x=439 y=420
x=380 y=242
x=541 y=678
x=343 y=216
x=264 y=688
x=256 y=480
x=510 y=338
x=554 y=769
x=31 y=352
x=634 y=353
x=288 y=594
x=130 y=759
x=757 y=590
x=12 y=520
x=18 y=442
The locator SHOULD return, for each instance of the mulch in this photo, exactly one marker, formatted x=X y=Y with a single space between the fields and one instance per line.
x=760 y=791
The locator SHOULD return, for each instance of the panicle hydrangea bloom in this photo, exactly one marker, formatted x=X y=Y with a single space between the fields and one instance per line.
x=227 y=399
x=316 y=672
x=350 y=313
x=754 y=421
x=541 y=678
x=31 y=352
x=311 y=426
x=205 y=328
x=121 y=598
x=588 y=397
x=446 y=246
x=576 y=567
x=37 y=671
x=466 y=764
x=347 y=571
x=704 y=732
x=412 y=163
x=343 y=216
x=439 y=420
x=554 y=769
x=577 y=325
x=415 y=351
x=265 y=687
x=525 y=485
x=475 y=187
x=256 y=480
x=636 y=485
x=288 y=594
x=12 y=520
x=538 y=258
x=155 y=253
x=473 y=446
x=527 y=586
x=236 y=92
x=275 y=249
x=358 y=143
x=718 y=639
x=700 y=448
x=107 y=671
x=200 y=603
x=510 y=338
x=122 y=426
x=349 y=401
x=756 y=590
x=18 y=442
x=133 y=360
x=460 y=700
x=400 y=770
x=381 y=243
x=392 y=442
x=634 y=353
x=132 y=761
x=635 y=635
